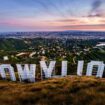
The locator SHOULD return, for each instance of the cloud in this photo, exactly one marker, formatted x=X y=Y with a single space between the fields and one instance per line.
x=85 y=27
x=95 y=15
x=96 y=10
x=96 y=5
x=67 y=20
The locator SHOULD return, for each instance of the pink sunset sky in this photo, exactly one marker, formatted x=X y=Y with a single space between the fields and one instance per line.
x=52 y=15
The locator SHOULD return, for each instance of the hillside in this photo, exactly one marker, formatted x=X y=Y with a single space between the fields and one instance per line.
x=60 y=91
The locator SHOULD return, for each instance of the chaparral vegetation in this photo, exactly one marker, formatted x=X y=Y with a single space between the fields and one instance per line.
x=71 y=90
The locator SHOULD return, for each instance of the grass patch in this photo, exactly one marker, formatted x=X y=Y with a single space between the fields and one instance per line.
x=60 y=91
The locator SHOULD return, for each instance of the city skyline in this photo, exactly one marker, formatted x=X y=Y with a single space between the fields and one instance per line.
x=52 y=15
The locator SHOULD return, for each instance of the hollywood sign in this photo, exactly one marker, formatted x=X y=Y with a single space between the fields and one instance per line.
x=27 y=72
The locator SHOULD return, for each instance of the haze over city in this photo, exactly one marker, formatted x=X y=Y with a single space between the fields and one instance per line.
x=52 y=15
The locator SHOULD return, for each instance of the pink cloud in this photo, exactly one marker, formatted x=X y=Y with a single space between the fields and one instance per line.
x=60 y=24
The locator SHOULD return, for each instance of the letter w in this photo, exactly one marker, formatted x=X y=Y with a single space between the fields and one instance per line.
x=26 y=73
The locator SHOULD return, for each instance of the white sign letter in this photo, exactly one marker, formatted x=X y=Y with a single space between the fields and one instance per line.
x=80 y=68
x=100 y=68
x=64 y=68
x=10 y=70
x=26 y=72
x=47 y=70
